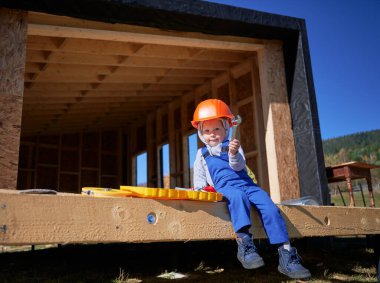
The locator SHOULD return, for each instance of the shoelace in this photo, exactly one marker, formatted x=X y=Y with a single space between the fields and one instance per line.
x=294 y=258
x=249 y=249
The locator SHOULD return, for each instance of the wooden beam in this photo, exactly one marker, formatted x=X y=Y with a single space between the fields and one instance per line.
x=13 y=26
x=61 y=57
x=172 y=39
x=259 y=123
x=279 y=141
x=83 y=86
x=72 y=218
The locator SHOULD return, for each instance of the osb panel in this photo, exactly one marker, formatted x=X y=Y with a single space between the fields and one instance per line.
x=70 y=140
x=109 y=164
x=23 y=156
x=13 y=28
x=282 y=165
x=91 y=141
x=47 y=155
x=177 y=119
x=285 y=150
x=22 y=180
x=49 y=140
x=141 y=138
x=80 y=219
x=89 y=178
x=153 y=128
x=70 y=160
x=110 y=140
x=165 y=127
x=90 y=158
x=247 y=128
x=224 y=93
x=68 y=183
x=243 y=86
x=47 y=177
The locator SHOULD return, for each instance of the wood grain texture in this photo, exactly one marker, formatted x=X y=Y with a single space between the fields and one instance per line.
x=72 y=218
x=282 y=163
x=13 y=26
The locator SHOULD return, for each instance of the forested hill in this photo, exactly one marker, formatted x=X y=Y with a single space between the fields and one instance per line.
x=364 y=146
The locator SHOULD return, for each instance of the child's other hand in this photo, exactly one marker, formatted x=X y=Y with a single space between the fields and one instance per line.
x=233 y=147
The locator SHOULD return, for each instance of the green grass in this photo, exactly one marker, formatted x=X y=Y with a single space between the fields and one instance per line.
x=337 y=199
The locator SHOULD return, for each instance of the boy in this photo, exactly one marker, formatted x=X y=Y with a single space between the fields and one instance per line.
x=221 y=164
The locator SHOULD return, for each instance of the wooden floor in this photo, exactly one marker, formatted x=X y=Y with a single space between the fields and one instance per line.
x=72 y=218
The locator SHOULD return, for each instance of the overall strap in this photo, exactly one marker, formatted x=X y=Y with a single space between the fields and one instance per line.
x=206 y=153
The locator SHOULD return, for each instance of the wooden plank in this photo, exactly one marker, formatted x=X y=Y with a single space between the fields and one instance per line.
x=279 y=141
x=151 y=151
x=108 y=32
x=71 y=218
x=61 y=57
x=259 y=124
x=83 y=86
x=77 y=45
x=13 y=27
x=137 y=95
x=173 y=158
x=77 y=69
x=185 y=145
x=103 y=47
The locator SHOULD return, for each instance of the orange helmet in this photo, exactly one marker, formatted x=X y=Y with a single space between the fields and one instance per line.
x=211 y=109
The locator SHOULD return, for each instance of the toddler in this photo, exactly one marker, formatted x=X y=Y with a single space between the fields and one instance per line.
x=221 y=164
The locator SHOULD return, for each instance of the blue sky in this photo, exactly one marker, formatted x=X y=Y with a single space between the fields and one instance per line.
x=344 y=39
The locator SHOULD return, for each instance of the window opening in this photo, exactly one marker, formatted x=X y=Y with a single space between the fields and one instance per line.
x=165 y=166
x=141 y=170
x=192 y=151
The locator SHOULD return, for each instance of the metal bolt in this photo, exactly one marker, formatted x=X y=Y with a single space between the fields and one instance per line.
x=151 y=218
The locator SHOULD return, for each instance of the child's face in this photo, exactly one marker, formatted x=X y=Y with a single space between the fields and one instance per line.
x=213 y=132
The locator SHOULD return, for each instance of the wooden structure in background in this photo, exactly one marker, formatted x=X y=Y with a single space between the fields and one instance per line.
x=96 y=91
x=91 y=88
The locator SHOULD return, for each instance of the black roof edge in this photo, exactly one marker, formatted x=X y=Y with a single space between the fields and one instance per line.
x=184 y=15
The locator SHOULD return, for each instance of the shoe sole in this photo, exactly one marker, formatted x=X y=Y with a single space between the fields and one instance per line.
x=301 y=275
x=253 y=265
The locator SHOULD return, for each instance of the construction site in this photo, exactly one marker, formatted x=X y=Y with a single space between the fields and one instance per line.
x=85 y=90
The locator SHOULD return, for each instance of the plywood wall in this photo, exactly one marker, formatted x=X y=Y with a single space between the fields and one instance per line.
x=68 y=162
x=13 y=26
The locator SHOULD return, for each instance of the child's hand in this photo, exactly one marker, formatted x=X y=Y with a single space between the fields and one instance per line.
x=233 y=147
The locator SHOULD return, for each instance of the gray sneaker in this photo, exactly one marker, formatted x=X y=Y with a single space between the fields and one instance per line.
x=247 y=253
x=289 y=264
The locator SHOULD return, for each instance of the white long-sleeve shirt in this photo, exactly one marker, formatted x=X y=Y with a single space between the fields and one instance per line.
x=201 y=174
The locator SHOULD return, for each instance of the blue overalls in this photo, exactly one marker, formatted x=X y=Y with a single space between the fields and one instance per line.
x=241 y=193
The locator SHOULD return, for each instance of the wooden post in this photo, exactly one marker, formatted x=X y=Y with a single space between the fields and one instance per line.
x=151 y=151
x=282 y=163
x=13 y=27
x=259 y=125
x=172 y=145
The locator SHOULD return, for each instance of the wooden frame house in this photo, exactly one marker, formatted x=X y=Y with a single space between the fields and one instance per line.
x=87 y=86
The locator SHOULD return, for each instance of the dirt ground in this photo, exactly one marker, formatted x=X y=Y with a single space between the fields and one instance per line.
x=329 y=260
